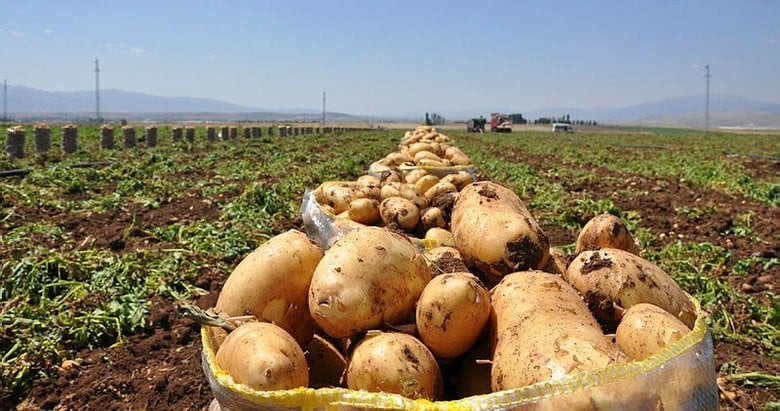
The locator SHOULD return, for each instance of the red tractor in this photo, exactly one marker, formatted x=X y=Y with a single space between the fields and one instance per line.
x=500 y=123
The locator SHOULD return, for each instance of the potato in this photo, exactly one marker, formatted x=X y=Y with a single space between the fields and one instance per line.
x=440 y=188
x=272 y=283
x=326 y=363
x=439 y=237
x=263 y=356
x=495 y=232
x=445 y=260
x=426 y=155
x=610 y=277
x=399 y=210
x=364 y=210
x=392 y=175
x=646 y=329
x=429 y=162
x=394 y=363
x=368 y=181
x=391 y=189
x=409 y=192
x=451 y=312
x=416 y=174
x=543 y=331
x=339 y=196
x=425 y=182
x=557 y=262
x=459 y=180
x=373 y=192
x=418 y=147
x=606 y=231
x=433 y=217
x=368 y=278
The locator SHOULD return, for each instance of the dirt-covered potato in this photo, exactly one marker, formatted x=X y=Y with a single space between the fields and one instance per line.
x=272 y=283
x=613 y=280
x=451 y=312
x=415 y=175
x=495 y=232
x=433 y=217
x=445 y=260
x=364 y=210
x=459 y=180
x=391 y=189
x=606 y=231
x=368 y=181
x=399 y=210
x=263 y=356
x=368 y=278
x=543 y=330
x=440 y=188
x=394 y=363
x=645 y=329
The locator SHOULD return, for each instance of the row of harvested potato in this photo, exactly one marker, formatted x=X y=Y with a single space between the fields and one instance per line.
x=376 y=313
x=423 y=147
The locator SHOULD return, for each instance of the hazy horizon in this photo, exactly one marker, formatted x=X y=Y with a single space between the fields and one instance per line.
x=393 y=59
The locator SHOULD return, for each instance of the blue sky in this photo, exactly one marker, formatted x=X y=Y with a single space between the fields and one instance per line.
x=397 y=57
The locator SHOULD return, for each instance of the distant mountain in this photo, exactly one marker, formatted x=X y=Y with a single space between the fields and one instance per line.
x=725 y=111
x=31 y=103
x=31 y=100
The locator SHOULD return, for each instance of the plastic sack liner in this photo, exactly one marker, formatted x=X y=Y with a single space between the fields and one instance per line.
x=679 y=377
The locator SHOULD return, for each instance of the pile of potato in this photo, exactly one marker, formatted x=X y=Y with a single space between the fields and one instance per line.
x=489 y=305
x=423 y=147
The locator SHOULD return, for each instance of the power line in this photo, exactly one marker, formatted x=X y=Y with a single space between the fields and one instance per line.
x=707 y=76
x=97 y=91
x=5 y=100
x=323 y=109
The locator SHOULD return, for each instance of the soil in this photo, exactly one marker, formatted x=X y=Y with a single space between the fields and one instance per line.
x=159 y=368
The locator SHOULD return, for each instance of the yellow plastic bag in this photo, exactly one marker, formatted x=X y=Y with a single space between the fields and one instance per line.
x=679 y=377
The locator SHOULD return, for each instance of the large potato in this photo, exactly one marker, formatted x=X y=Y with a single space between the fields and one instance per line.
x=606 y=231
x=272 y=283
x=451 y=312
x=495 y=232
x=370 y=277
x=264 y=357
x=394 y=363
x=610 y=280
x=645 y=329
x=543 y=331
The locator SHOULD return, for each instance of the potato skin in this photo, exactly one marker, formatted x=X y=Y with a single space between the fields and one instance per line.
x=263 y=356
x=610 y=276
x=606 y=231
x=394 y=363
x=495 y=232
x=542 y=330
x=272 y=283
x=557 y=262
x=369 y=277
x=400 y=211
x=645 y=329
x=451 y=312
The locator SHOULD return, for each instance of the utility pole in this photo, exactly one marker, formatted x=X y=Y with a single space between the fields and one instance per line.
x=323 y=109
x=707 y=77
x=5 y=100
x=97 y=91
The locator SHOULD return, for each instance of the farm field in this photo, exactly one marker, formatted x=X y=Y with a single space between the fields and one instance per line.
x=95 y=261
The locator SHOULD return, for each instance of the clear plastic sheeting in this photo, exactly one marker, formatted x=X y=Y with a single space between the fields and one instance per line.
x=320 y=225
x=679 y=377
